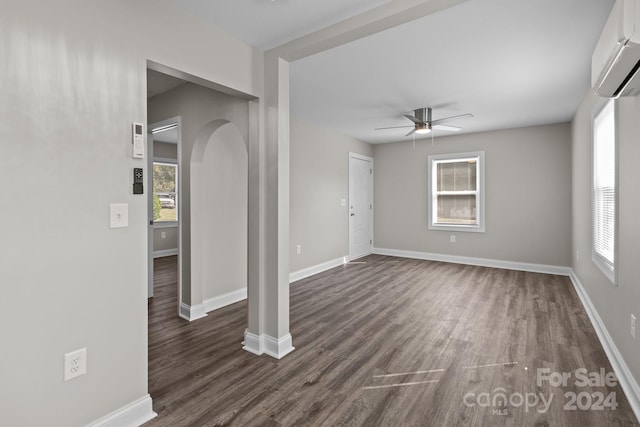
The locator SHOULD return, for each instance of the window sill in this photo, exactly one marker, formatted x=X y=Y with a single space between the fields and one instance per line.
x=165 y=224
x=604 y=268
x=457 y=228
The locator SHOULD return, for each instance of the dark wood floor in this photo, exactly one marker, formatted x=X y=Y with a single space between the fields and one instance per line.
x=391 y=342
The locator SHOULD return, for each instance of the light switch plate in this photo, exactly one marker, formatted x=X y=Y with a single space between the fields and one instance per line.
x=119 y=215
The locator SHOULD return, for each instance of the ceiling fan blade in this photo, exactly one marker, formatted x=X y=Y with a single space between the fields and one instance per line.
x=448 y=119
x=445 y=127
x=411 y=132
x=414 y=119
x=393 y=127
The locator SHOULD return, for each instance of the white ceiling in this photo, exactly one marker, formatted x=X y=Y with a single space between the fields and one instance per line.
x=269 y=23
x=511 y=63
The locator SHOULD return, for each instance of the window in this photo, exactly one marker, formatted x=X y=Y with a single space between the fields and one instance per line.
x=165 y=186
x=604 y=190
x=456 y=192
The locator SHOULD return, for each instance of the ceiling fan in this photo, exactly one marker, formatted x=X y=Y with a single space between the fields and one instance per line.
x=423 y=124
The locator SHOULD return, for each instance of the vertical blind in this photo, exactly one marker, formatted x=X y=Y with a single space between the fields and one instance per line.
x=604 y=185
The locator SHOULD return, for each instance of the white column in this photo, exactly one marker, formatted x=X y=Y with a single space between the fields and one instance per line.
x=268 y=330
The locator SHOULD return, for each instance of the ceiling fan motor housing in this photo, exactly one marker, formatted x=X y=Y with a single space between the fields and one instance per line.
x=424 y=115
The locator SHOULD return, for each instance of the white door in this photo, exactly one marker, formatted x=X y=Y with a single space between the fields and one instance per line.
x=360 y=205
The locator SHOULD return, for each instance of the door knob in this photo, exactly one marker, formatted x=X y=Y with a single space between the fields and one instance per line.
x=353 y=214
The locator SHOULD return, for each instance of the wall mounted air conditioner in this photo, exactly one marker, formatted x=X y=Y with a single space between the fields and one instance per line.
x=616 y=58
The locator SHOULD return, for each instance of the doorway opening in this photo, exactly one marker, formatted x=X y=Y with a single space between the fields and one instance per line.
x=164 y=198
x=198 y=164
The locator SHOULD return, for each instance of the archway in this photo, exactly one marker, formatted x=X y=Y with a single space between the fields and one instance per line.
x=219 y=216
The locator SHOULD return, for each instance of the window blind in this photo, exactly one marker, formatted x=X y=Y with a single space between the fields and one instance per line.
x=604 y=186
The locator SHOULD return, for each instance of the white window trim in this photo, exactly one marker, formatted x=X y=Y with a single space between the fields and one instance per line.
x=610 y=271
x=173 y=162
x=165 y=224
x=166 y=160
x=480 y=227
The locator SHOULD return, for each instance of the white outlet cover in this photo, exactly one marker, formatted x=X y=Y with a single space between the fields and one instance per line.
x=119 y=215
x=75 y=364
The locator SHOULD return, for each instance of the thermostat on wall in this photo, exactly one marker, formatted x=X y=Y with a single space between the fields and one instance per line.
x=138 y=141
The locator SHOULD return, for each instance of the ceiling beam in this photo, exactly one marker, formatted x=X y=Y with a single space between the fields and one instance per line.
x=389 y=15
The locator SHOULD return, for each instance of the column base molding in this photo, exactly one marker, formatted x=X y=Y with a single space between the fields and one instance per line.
x=265 y=344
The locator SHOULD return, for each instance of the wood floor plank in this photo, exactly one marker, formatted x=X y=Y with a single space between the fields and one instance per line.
x=385 y=342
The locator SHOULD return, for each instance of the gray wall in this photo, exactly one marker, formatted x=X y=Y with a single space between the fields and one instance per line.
x=528 y=192
x=613 y=303
x=170 y=240
x=197 y=106
x=165 y=150
x=73 y=80
x=319 y=180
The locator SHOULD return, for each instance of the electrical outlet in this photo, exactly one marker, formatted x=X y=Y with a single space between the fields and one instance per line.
x=299 y=249
x=452 y=238
x=75 y=364
x=163 y=235
x=633 y=326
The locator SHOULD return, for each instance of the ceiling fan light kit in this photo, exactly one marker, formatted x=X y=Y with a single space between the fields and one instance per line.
x=422 y=129
x=423 y=124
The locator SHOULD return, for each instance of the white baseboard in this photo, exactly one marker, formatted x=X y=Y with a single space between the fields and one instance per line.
x=265 y=344
x=278 y=348
x=192 y=313
x=132 y=415
x=199 y=311
x=165 y=252
x=483 y=262
x=350 y=258
x=625 y=378
x=224 y=300
x=310 y=271
x=253 y=343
